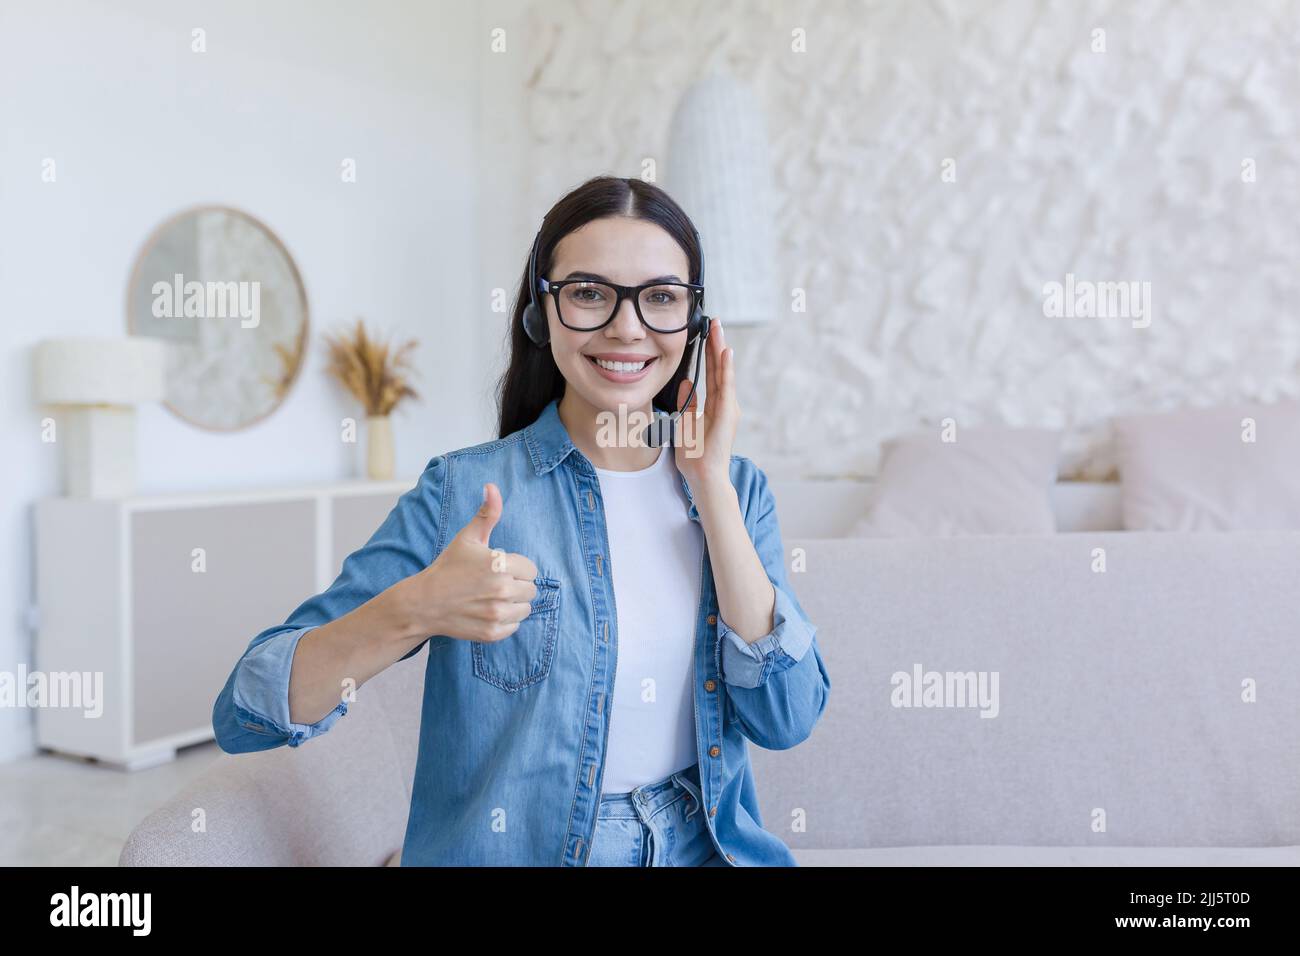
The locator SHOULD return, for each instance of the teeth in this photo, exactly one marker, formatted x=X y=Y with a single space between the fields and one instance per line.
x=621 y=366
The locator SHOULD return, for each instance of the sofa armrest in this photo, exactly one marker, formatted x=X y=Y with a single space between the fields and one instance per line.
x=338 y=800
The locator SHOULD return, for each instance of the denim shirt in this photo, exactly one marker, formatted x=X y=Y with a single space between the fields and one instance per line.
x=513 y=733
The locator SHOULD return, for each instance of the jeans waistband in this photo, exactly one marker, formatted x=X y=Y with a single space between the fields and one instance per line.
x=650 y=798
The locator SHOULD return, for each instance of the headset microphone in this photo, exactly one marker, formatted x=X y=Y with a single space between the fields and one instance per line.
x=698 y=329
x=654 y=432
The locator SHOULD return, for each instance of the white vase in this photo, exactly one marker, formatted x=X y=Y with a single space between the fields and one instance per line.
x=379 y=448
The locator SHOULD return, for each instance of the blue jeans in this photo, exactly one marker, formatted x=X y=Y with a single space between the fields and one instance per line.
x=657 y=824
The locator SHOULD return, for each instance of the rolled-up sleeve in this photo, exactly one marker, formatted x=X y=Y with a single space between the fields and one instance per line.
x=260 y=693
x=750 y=665
x=252 y=710
x=777 y=686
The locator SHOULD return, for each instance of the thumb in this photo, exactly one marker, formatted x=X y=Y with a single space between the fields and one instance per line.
x=480 y=526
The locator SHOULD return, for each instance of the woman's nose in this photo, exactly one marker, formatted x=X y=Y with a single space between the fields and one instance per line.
x=626 y=325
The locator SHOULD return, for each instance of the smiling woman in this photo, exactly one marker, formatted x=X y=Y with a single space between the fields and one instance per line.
x=610 y=278
x=599 y=649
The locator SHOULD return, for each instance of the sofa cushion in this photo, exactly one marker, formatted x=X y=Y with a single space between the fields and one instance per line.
x=990 y=480
x=1229 y=468
x=976 y=855
x=1162 y=692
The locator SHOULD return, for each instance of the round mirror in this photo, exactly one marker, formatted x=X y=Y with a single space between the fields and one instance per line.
x=220 y=289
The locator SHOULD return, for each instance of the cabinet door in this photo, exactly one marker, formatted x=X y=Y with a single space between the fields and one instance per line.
x=204 y=582
x=355 y=519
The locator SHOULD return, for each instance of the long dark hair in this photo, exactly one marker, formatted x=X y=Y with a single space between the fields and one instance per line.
x=532 y=378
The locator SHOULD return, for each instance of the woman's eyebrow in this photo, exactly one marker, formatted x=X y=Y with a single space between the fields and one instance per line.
x=597 y=277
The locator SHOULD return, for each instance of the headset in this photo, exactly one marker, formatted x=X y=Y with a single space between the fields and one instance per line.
x=698 y=328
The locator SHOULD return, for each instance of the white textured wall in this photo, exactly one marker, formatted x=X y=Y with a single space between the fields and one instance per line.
x=925 y=297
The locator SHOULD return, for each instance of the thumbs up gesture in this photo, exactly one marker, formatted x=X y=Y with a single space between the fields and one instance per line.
x=472 y=591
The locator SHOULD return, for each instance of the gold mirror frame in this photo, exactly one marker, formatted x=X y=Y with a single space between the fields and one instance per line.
x=300 y=344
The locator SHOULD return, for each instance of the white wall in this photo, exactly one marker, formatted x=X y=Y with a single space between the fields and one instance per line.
x=925 y=297
x=140 y=126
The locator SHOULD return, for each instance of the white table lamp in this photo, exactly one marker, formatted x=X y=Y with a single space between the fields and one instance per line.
x=96 y=384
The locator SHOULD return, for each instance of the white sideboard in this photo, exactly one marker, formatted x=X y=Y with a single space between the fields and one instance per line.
x=161 y=594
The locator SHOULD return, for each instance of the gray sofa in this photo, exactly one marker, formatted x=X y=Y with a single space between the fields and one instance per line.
x=1119 y=699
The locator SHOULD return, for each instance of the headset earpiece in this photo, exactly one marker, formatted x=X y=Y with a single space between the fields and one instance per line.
x=535 y=323
x=701 y=325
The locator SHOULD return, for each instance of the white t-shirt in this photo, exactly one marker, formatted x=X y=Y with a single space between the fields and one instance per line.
x=655 y=555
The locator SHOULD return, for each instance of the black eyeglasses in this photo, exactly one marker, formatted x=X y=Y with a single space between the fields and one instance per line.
x=585 y=305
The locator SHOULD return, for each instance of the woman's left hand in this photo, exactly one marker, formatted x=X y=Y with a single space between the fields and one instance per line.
x=704 y=448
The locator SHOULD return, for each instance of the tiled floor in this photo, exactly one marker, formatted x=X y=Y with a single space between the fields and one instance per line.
x=57 y=810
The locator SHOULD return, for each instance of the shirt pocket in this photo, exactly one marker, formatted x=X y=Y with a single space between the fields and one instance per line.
x=525 y=657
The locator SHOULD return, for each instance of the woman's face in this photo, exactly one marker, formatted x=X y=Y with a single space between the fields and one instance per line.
x=627 y=252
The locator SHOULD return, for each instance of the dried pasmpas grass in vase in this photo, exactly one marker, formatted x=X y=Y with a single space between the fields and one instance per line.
x=377 y=376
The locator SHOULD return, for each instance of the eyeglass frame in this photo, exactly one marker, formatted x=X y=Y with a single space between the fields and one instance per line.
x=622 y=292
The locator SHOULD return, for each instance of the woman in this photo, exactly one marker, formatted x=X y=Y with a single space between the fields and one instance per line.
x=610 y=619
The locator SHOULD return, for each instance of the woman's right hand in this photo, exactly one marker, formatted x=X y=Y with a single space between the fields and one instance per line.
x=471 y=591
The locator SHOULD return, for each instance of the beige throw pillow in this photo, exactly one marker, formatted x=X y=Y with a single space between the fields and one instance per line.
x=1233 y=467
x=990 y=480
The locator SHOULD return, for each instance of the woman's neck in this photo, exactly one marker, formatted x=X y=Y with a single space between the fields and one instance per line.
x=600 y=434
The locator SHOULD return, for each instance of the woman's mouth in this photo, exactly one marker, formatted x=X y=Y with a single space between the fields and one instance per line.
x=621 y=371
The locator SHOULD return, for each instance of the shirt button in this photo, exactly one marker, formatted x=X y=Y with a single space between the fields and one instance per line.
x=710 y=684
x=713 y=619
x=714 y=750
